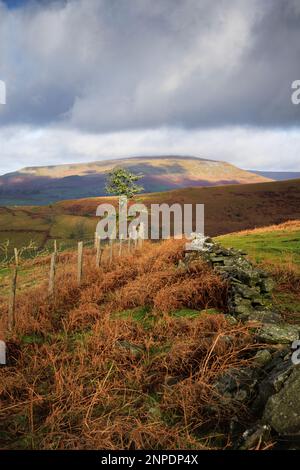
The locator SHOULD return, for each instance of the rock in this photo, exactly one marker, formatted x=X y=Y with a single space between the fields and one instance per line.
x=243 y=309
x=258 y=301
x=199 y=242
x=242 y=252
x=237 y=384
x=263 y=274
x=231 y=320
x=221 y=252
x=262 y=316
x=282 y=410
x=241 y=395
x=278 y=334
x=242 y=275
x=254 y=436
x=262 y=357
x=217 y=259
x=267 y=285
x=245 y=291
x=273 y=377
x=228 y=261
x=239 y=301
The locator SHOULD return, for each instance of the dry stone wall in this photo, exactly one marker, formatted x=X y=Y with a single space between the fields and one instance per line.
x=272 y=386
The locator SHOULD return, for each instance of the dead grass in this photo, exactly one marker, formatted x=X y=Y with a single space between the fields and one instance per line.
x=287 y=276
x=286 y=296
x=81 y=377
x=288 y=226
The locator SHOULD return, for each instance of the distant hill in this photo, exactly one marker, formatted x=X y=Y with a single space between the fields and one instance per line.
x=48 y=184
x=227 y=209
x=277 y=175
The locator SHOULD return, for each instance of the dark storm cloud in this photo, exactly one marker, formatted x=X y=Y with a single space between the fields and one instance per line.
x=112 y=65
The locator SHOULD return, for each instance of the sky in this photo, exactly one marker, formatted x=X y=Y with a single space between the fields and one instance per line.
x=95 y=79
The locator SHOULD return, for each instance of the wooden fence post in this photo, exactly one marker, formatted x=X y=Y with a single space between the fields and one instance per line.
x=2 y=353
x=12 y=295
x=99 y=252
x=111 y=246
x=12 y=300
x=55 y=246
x=96 y=241
x=136 y=236
x=141 y=235
x=140 y=242
x=120 y=245
x=129 y=243
x=80 y=262
x=16 y=256
x=52 y=274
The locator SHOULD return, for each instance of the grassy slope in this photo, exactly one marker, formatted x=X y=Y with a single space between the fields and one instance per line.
x=227 y=209
x=277 y=249
x=128 y=360
x=279 y=244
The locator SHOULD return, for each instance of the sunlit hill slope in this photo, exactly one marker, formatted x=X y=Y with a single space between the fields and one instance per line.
x=44 y=185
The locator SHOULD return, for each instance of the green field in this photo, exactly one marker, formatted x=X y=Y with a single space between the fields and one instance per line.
x=38 y=227
x=277 y=247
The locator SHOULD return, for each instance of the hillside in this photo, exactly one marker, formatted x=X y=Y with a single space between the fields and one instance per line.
x=275 y=244
x=44 y=185
x=227 y=209
x=276 y=249
x=277 y=175
x=149 y=352
x=130 y=359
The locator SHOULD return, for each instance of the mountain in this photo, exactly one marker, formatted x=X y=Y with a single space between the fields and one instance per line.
x=277 y=175
x=48 y=184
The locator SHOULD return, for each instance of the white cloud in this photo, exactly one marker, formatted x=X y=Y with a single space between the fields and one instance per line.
x=245 y=147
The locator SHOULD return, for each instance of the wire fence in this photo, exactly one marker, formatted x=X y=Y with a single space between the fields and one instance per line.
x=33 y=251
x=50 y=258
